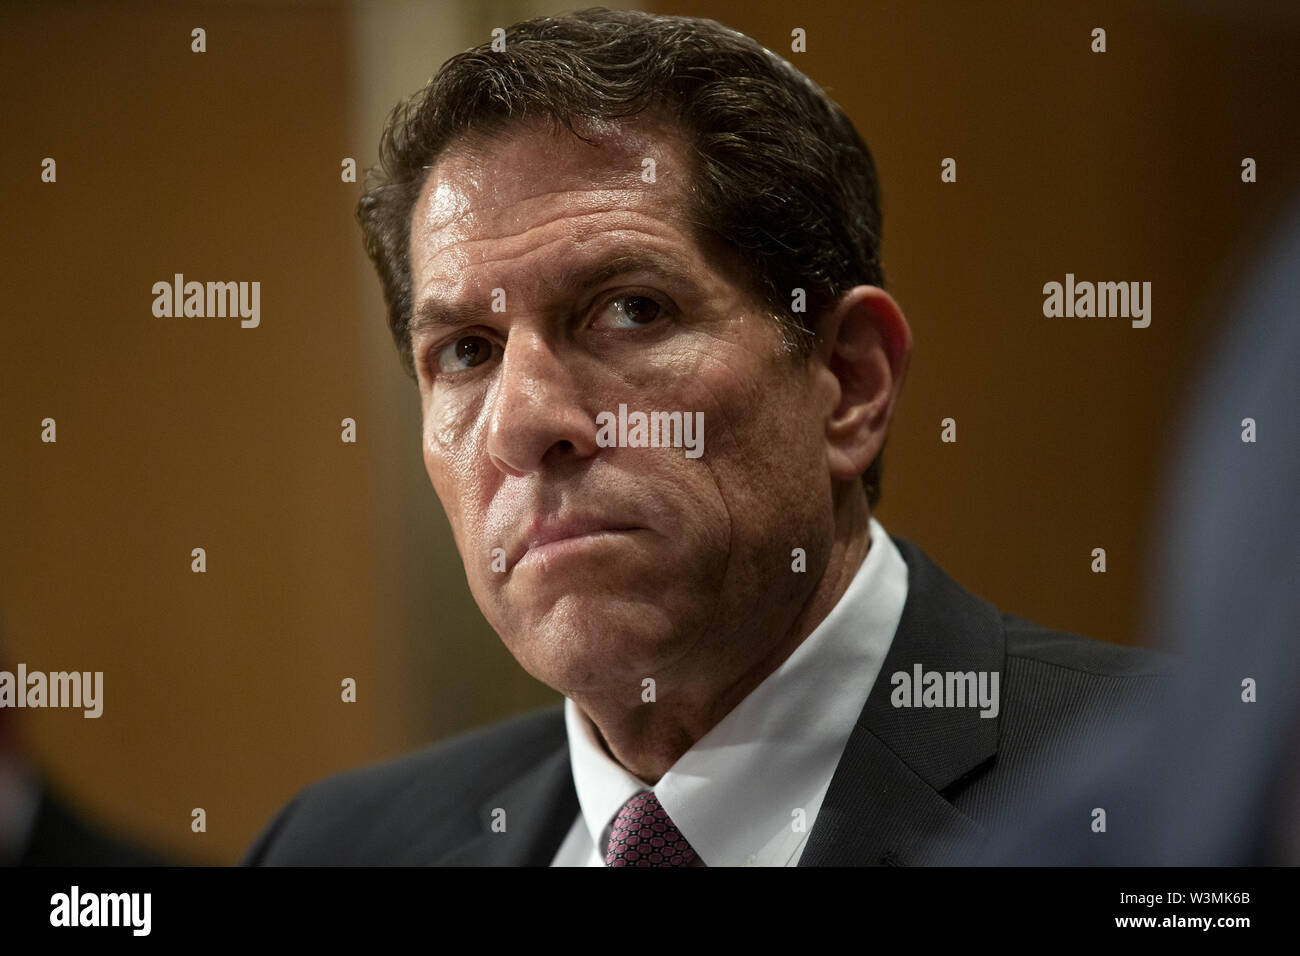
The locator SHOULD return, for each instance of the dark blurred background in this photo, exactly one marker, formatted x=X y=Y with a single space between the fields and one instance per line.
x=328 y=560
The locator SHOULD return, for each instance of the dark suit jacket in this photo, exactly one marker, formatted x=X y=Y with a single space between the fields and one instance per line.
x=913 y=786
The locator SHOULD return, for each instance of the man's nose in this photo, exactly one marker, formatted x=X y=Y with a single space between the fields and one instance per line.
x=537 y=408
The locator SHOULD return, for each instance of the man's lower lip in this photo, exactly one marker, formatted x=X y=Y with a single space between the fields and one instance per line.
x=578 y=546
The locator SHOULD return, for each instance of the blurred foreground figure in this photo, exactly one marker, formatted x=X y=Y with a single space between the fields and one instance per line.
x=37 y=828
x=1210 y=773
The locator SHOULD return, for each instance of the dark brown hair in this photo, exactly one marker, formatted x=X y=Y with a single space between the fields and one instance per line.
x=781 y=176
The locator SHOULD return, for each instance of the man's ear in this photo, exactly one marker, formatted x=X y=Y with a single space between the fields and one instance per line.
x=865 y=346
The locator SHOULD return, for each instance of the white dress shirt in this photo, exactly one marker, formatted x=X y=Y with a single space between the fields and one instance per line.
x=735 y=793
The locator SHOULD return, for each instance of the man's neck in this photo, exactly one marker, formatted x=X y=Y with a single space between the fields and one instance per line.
x=648 y=741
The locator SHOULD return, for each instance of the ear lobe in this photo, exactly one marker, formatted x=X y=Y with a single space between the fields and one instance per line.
x=866 y=347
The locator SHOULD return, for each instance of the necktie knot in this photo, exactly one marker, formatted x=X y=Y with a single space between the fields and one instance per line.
x=644 y=835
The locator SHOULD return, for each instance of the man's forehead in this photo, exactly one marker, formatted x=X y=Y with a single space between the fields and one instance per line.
x=497 y=183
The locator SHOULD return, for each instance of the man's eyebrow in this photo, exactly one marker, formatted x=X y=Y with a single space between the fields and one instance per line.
x=435 y=313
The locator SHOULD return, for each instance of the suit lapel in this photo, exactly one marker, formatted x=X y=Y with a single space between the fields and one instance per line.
x=886 y=803
x=540 y=807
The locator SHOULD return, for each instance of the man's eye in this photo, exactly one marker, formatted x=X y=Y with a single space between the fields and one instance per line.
x=464 y=353
x=630 y=311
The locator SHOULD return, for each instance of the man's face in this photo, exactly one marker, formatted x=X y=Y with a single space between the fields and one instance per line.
x=618 y=562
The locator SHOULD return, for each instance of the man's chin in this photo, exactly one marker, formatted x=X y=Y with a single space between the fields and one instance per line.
x=571 y=613
x=579 y=633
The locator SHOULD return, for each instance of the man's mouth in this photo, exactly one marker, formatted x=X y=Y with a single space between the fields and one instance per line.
x=556 y=537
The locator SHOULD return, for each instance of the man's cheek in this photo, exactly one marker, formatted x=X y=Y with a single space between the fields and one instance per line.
x=449 y=497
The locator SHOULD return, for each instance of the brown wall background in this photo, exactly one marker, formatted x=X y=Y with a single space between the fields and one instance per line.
x=328 y=560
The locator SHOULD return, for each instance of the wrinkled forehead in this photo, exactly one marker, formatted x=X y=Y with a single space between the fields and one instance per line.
x=497 y=183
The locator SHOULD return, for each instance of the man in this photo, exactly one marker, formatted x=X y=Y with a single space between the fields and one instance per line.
x=632 y=264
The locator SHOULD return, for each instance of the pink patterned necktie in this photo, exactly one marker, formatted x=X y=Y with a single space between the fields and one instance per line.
x=644 y=835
